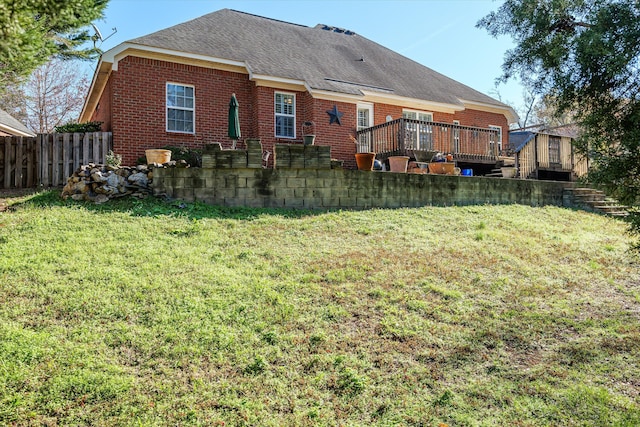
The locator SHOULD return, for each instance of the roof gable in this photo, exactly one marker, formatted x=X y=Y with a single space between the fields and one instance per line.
x=329 y=60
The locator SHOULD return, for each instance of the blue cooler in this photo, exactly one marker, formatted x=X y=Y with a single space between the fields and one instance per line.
x=467 y=172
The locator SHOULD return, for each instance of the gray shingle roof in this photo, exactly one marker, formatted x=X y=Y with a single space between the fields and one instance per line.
x=8 y=121
x=324 y=59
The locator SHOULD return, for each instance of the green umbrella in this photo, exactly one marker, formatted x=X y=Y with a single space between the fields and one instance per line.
x=234 y=120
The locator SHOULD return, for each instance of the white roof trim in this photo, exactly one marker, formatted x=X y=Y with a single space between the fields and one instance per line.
x=13 y=131
x=509 y=112
x=119 y=52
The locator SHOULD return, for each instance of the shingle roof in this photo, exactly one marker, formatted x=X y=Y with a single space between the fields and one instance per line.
x=341 y=62
x=10 y=124
x=518 y=140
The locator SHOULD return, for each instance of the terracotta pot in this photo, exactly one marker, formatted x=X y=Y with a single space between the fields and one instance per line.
x=398 y=163
x=158 y=156
x=442 y=168
x=365 y=161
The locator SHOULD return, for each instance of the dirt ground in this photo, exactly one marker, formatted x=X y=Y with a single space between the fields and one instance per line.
x=11 y=193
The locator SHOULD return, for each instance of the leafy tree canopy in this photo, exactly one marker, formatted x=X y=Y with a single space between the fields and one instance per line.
x=585 y=55
x=33 y=31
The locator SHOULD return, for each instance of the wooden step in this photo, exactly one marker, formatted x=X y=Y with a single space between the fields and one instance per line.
x=596 y=201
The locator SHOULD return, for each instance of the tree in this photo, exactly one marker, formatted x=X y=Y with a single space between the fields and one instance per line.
x=33 y=31
x=54 y=95
x=585 y=55
x=546 y=113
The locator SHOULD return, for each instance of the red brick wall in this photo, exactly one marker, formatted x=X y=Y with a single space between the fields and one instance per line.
x=337 y=135
x=482 y=119
x=139 y=97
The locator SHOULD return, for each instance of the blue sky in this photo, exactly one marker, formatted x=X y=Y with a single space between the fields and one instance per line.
x=439 y=34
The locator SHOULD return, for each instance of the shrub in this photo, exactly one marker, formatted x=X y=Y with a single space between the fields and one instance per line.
x=79 y=127
x=191 y=155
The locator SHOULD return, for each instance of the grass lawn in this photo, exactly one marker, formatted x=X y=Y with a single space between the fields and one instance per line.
x=149 y=313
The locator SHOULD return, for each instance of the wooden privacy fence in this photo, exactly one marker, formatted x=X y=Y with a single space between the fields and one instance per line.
x=49 y=159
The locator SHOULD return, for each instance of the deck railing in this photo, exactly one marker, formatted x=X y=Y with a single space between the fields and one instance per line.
x=405 y=136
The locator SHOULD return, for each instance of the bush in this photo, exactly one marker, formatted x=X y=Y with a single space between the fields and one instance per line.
x=79 y=127
x=191 y=155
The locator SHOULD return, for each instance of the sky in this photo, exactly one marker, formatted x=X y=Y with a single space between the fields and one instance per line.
x=439 y=34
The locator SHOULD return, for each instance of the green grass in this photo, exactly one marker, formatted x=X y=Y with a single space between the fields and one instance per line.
x=148 y=313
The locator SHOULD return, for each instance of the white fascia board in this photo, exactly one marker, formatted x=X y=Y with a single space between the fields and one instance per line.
x=335 y=96
x=92 y=87
x=405 y=102
x=507 y=111
x=277 y=82
x=13 y=131
x=125 y=49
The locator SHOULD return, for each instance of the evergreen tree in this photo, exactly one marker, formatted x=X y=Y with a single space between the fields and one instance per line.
x=34 y=31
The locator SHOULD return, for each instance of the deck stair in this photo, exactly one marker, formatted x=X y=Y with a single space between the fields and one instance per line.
x=495 y=173
x=594 y=201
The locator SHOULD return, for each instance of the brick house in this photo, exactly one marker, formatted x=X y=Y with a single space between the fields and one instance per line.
x=173 y=87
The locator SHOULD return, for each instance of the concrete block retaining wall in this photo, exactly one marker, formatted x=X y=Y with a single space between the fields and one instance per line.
x=303 y=179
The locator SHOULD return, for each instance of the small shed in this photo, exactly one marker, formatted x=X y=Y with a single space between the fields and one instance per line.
x=548 y=154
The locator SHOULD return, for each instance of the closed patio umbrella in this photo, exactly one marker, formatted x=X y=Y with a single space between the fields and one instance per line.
x=234 y=120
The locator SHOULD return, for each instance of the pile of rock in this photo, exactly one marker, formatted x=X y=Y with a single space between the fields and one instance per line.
x=99 y=183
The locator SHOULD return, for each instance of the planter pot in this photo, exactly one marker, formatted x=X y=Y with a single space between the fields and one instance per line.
x=158 y=156
x=308 y=139
x=365 y=161
x=398 y=163
x=442 y=168
x=508 y=172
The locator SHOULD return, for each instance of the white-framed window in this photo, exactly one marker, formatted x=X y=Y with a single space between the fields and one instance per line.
x=365 y=116
x=285 y=115
x=419 y=135
x=365 y=120
x=496 y=140
x=181 y=101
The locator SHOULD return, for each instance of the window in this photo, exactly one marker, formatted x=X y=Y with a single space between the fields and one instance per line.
x=495 y=142
x=365 y=116
x=365 y=120
x=554 y=150
x=180 y=108
x=419 y=133
x=285 y=111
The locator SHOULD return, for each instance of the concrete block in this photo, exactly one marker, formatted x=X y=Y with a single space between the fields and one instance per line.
x=284 y=193
x=294 y=203
x=254 y=153
x=223 y=160
x=303 y=193
x=310 y=162
x=208 y=161
x=281 y=157
x=330 y=202
x=295 y=182
x=247 y=193
x=238 y=158
x=184 y=194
